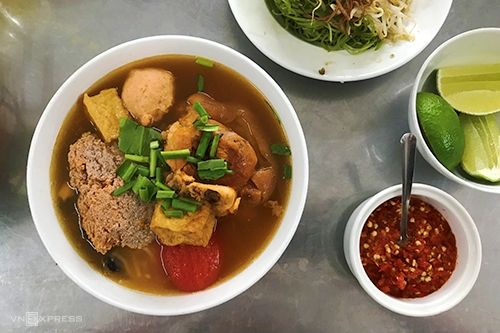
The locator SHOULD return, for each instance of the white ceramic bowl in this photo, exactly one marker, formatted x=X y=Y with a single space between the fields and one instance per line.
x=468 y=247
x=38 y=180
x=478 y=46
x=305 y=59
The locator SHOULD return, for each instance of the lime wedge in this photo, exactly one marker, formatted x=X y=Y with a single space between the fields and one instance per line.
x=472 y=89
x=441 y=128
x=481 y=157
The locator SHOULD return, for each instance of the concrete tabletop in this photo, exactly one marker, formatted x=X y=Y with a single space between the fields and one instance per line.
x=352 y=132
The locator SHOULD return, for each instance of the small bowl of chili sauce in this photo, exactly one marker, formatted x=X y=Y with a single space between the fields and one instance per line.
x=433 y=271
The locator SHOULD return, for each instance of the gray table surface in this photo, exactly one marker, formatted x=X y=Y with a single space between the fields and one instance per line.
x=352 y=132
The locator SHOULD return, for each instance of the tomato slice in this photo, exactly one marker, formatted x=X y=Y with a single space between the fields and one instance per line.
x=192 y=268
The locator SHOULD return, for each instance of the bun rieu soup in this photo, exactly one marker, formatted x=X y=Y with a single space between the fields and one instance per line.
x=170 y=174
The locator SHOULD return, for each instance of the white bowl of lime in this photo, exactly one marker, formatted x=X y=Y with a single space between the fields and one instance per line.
x=454 y=109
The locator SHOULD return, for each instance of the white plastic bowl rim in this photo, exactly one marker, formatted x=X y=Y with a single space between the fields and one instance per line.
x=468 y=245
x=413 y=119
x=38 y=178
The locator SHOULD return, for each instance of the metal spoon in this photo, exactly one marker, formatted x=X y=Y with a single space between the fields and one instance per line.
x=408 y=141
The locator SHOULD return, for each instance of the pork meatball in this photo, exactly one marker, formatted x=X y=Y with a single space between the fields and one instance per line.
x=148 y=93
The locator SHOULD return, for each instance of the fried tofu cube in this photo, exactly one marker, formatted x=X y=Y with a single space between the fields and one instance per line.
x=105 y=110
x=192 y=229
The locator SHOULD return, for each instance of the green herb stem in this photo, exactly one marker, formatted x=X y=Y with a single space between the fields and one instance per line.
x=203 y=145
x=175 y=213
x=280 y=149
x=153 y=158
x=122 y=189
x=214 y=145
x=204 y=62
x=137 y=158
x=184 y=205
x=200 y=83
x=175 y=154
x=164 y=194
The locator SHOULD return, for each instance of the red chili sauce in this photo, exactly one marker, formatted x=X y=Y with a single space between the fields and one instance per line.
x=420 y=267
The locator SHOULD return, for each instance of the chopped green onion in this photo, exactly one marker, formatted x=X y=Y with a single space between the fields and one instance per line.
x=144 y=194
x=192 y=159
x=137 y=158
x=191 y=201
x=163 y=194
x=200 y=109
x=166 y=204
x=130 y=172
x=203 y=145
x=287 y=171
x=229 y=172
x=214 y=146
x=212 y=174
x=183 y=205
x=161 y=161
x=200 y=83
x=208 y=128
x=216 y=164
x=162 y=186
x=122 y=189
x=154 y=144
x=175 y=154
x=280 y=149
x=142 y=182
x=142 y=170
x=200 y=121
x=127 y=170
x=158 y=174
x=153 y=159
x=174 y=213
x=204 y=62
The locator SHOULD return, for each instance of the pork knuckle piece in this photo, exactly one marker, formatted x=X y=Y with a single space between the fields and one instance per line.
x=241 y=158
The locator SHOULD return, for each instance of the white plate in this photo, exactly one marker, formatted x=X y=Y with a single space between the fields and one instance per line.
x=305 y=59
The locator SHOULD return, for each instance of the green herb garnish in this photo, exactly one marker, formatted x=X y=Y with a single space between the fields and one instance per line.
x=200 y=83
x=162 y=186
x=201 y=110
x=127 y=170
x=280 y=149
x=158 y=175
x=214 y=146
x=216 y=164
x=203 y=145
x=153 y=158
x=137 y=158
x=175 y=154
x=204 y=62
x=176 y=213
x=192 y=160
x=142 y=170
x=212 y=174
x=184 y=205
x=119 y=191
x=213 y=169
x=164 y=194
x=135 y=139
x=144 y=188
x=287 y=171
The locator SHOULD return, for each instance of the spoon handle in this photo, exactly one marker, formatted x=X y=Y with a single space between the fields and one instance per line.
x=408 y=141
